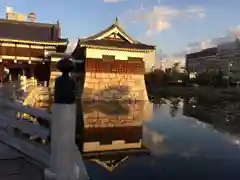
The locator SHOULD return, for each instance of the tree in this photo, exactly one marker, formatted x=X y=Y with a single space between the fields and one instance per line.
x=204 y=78
x=176 y=65
x=219 y=80
x=155 y=78
x=175 y=72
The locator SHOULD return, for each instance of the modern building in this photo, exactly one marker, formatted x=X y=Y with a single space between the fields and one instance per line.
x=224 y=57
x=24 y=45
x=204 y=60
x=229 y=58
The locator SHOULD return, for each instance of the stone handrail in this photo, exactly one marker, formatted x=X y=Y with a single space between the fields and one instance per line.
x=62 y=160
x=25 y=126
x=27 y=110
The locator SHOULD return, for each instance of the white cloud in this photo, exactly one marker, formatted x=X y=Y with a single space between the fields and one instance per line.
x=159 y=18
x=155 y=142
x=169 y=60
x=231 y=35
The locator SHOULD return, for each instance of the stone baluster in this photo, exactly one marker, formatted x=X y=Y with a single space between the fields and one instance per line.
x=63 y=165
x=23 y=80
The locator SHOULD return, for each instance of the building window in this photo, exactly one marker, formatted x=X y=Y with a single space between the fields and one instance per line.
x=135 y=59
x=108 y=58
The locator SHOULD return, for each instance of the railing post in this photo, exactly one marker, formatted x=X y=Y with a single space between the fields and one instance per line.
x=23 y=82
x=63 y=165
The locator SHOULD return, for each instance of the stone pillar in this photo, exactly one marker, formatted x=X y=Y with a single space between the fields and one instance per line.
x=63 y=163
x=23 y=81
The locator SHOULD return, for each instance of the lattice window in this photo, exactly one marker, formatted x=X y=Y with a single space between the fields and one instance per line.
x=108 y=58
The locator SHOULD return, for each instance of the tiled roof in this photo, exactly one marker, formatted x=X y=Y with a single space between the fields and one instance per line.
x=117 y=44
x=11 y=29
x=108 y=29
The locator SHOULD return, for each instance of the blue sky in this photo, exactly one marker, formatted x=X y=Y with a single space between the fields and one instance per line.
x=170 y=24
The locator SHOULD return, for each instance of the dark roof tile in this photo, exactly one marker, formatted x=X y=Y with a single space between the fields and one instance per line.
x=11 y=29
x=118 y=44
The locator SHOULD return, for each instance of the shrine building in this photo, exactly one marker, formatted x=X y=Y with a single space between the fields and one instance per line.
x=25 y=44
x=114 y=65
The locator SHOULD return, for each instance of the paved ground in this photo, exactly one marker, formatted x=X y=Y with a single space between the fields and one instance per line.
x=14 y=167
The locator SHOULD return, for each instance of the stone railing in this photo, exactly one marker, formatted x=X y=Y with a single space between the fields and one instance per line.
x=64 y=160
x=35 y=98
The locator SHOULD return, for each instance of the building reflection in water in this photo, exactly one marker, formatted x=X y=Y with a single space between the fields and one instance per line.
x=223 y=117
x=113 y=131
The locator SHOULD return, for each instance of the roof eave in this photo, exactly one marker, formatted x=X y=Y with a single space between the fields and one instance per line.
x=119 y=48
x=61 y=42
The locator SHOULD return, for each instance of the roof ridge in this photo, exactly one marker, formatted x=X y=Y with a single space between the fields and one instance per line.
x=26 y=22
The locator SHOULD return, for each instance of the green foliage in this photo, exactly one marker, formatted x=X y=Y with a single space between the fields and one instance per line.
x=172 y=75
x=155 y=78
x=204 y=79
x=214 y=78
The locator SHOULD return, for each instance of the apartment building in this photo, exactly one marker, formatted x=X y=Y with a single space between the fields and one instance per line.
x=224 y=57
x=229 y=57
x=201 y=61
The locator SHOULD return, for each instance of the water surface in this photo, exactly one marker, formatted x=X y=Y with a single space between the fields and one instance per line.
x=176 y=139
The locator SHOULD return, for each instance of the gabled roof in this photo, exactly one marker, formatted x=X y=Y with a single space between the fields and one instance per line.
x=113 y=36
x=29 y=31
x=115 y=27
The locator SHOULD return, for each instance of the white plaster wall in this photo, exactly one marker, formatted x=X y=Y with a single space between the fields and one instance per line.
x=120 y=55
x=150 y=60
x=149 y=57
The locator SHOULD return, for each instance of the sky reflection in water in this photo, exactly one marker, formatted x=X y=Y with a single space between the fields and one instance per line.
x=184 y=139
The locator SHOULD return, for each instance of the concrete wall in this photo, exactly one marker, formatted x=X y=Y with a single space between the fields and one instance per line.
x=120 y=55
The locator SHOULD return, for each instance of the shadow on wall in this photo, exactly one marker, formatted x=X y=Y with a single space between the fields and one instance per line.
x=114 y=93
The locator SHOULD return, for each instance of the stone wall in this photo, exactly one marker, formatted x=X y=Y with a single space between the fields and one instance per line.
x=114 y=80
